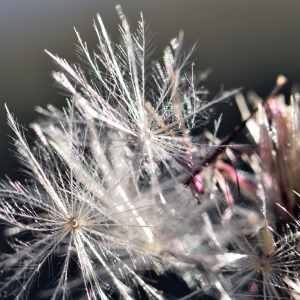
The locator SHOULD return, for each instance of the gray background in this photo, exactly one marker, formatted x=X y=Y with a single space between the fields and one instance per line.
x=246 y=43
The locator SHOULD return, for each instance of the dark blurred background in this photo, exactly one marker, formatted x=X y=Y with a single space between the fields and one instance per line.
x=245 y=42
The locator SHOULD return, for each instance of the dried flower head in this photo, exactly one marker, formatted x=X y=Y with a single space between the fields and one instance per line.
x=117 y=186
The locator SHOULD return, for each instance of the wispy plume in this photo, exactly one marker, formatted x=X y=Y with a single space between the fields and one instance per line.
x=65 y=214
x=153 y=109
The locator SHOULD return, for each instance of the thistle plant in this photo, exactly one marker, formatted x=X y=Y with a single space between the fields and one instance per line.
x=121 y=191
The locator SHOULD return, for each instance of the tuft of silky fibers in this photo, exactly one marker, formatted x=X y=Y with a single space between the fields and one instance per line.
x=105 y=198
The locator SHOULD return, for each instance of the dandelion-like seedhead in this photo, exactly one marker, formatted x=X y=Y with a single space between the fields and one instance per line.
x=87 y=200
x=120 y=186
x=63 y=215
